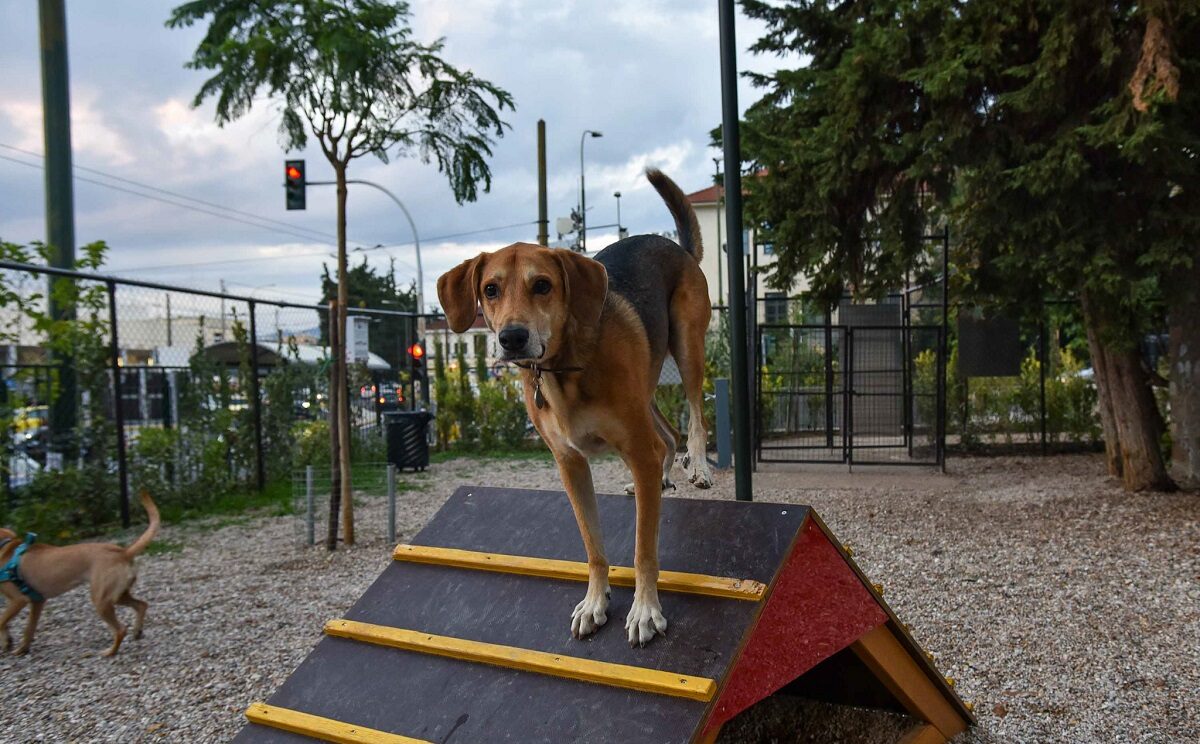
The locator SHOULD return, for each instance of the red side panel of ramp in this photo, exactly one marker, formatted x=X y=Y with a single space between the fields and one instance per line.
x=818 y=607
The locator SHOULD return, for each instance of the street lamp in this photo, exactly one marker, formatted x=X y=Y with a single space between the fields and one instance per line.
x=720 y=258
x=620 y=230
x=583 y=192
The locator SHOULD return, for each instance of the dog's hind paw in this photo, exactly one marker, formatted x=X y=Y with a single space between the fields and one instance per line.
x=645 y=620
x=589 y=615
x=701 y=476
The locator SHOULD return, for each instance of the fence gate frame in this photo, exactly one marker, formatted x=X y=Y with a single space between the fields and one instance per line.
x=850 y=432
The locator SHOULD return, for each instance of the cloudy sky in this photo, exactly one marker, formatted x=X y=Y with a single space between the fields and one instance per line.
x=644 y=72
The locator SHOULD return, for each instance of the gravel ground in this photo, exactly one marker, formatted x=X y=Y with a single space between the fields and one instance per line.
x=1066 y=609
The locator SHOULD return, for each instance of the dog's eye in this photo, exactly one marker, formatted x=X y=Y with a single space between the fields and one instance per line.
x=491 y=290
x=541 y=286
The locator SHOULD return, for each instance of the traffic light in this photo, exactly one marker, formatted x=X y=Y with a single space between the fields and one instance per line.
x=416 y=365
x=294 y=183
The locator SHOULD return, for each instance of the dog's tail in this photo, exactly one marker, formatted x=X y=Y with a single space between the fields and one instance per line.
x=144 y=541
x=681 y=209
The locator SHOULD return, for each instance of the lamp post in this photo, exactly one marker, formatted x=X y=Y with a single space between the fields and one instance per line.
x=720 y=256
x=583 y=192
x=620 y=230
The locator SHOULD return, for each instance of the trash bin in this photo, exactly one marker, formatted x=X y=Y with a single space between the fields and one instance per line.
x=407 y=446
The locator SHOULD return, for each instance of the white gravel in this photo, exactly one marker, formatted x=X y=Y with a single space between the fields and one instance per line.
x=1066 y=609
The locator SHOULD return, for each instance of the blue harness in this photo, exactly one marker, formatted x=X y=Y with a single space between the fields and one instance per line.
x=11 y=571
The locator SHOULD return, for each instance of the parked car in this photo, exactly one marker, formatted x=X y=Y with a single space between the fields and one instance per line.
x=389 y=397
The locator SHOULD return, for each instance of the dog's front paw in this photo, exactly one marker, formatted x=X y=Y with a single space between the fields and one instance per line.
x=701 y=476
x=645 y=620
x=21 y=650
x=667 y=484
x=589 y=614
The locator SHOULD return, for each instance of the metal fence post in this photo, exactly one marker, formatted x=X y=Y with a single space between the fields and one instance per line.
x=118 y=402
x=310 y=513
x=260 y=469
x=1044 y=353
x=391 y=497
x=724 y=430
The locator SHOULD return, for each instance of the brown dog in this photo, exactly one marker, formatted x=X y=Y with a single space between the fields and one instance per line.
x=49 y=571
x=591 y=336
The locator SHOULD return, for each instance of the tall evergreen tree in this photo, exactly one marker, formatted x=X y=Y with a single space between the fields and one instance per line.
x=1061 y=138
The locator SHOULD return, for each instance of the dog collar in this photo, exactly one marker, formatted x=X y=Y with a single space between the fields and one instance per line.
x=538 y=398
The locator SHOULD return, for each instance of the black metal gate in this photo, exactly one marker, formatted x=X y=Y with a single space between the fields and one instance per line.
x=850 y=394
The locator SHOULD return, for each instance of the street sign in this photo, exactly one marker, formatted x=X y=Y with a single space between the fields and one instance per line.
x=358 y=335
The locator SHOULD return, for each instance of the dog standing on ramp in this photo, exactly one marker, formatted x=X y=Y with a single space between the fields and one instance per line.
x=590 y=336
x=44 y=571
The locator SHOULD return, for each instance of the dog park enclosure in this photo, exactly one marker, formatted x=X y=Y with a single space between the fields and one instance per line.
x=468 y=632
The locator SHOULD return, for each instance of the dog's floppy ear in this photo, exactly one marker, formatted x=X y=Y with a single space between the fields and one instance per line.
x=586 y=283
x=456 y=290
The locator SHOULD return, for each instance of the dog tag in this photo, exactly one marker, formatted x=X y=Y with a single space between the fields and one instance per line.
x=538 y=399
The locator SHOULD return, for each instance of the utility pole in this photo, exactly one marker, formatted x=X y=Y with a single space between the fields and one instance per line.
x=543 y=218
x=733 y=230
x=169 y=337
x=60 y=201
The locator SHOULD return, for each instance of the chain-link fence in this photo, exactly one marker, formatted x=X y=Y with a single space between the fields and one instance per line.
x=112 y=385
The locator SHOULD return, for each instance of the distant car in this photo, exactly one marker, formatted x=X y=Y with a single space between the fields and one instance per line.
x=389 y=396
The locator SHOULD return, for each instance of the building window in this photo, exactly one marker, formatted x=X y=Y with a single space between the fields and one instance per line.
x=776 y=310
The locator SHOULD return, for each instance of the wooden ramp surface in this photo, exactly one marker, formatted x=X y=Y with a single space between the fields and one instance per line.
x=450 y=646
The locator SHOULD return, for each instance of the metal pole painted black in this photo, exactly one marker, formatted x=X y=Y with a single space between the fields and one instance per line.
x=1044 y=359
x=733 y=231
x=118 y=402
x=260 y=471
x=944 y=356
x=828 y=379
x=60 y=201
x=543 y=214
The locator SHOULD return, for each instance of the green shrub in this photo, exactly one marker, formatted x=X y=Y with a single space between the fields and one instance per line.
x=66 y=506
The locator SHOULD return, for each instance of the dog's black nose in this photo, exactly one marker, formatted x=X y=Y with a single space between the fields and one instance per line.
x=514 y=339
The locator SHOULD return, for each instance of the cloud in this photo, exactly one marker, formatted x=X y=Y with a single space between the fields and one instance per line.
x=645 y=72
x=91 y=135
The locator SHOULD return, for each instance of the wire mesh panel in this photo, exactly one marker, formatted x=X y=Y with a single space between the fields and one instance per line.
x=839 y=394
x=801 y=394
x=885 y=398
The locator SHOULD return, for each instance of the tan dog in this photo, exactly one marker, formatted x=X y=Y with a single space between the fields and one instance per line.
x=591 y=336
x=52 y=570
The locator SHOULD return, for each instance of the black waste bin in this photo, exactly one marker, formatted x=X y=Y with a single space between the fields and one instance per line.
x=407 y=446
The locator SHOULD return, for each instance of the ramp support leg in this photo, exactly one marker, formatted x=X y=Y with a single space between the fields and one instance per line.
x=709 y=736
x=882 y=653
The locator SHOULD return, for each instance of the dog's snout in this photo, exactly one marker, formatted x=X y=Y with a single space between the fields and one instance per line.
x=514 y=338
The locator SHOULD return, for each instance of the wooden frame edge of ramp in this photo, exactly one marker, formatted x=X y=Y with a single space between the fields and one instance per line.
x=465 y=635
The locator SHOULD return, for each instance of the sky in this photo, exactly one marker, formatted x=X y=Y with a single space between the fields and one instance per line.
x=645 y=73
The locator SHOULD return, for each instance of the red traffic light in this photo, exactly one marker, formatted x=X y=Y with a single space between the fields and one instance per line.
x=293 y=172
x=416 y=351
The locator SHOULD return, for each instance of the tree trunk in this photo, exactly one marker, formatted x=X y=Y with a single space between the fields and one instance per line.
x=1184 y=327
x=1124 y=386
x=343 y=391
x=335 y=463
x=1108 y=421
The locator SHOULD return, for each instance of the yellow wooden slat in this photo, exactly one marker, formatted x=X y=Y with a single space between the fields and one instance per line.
x=325 y=729
x=674 y=581
x=571 y=667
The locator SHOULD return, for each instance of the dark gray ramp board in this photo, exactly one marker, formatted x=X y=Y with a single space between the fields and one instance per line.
x=485 y=652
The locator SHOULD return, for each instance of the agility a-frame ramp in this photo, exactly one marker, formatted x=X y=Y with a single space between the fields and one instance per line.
x=465 y=637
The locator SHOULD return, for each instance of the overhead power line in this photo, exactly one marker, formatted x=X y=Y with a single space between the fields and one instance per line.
x=225 y=213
